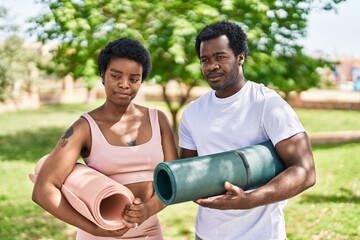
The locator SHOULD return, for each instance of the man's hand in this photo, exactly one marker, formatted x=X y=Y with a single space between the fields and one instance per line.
x=234 y=198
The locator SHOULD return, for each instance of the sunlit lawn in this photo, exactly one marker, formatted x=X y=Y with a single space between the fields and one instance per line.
x=330 y=210
x=316 y=120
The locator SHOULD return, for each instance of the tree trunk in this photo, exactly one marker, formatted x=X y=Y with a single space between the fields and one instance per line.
x=175 y=108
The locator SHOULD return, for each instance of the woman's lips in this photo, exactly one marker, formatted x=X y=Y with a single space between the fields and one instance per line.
x=122 y=93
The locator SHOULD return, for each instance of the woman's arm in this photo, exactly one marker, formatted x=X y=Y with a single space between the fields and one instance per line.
x=53 y=173
x=167 y=138
x=140 y=211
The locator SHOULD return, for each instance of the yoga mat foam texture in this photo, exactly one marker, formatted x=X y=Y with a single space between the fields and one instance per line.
x=204 y=176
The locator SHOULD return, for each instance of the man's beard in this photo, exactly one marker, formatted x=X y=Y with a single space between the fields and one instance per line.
x=232 y=79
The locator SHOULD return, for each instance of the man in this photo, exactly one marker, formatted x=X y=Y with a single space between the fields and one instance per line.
x=238 y=113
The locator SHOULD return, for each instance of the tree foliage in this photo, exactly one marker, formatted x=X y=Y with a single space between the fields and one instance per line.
x=15 y=61
x=16 y=64
x=168 y=30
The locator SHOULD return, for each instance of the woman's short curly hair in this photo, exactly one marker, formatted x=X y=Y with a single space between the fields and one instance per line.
x=236 y=36
x=125 y=48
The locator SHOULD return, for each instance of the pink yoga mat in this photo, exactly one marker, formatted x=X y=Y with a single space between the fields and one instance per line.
x=94 y=195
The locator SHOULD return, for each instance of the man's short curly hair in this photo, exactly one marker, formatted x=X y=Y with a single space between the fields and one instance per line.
x=236 y=36
x=125 y=48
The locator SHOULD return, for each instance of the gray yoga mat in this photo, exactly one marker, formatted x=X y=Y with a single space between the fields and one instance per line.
x=199 y=177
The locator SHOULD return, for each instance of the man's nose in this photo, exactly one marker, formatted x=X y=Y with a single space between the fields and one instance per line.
x=213 y=66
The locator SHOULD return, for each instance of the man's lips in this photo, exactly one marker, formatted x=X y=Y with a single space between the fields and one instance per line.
x=213 y=76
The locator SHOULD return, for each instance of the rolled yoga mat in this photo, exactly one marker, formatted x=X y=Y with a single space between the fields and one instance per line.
x=199 y=177
x=94 y=195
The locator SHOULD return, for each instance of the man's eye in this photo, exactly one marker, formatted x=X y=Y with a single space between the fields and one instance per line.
x=220 y=57
x=204 y=60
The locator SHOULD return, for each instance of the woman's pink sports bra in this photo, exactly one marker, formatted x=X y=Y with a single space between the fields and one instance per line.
x=126 y=164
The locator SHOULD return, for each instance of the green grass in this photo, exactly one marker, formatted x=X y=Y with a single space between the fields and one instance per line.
x=329 y=210
x=316 y=120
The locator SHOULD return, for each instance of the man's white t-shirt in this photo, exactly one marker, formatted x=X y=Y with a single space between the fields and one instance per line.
x=211 y=125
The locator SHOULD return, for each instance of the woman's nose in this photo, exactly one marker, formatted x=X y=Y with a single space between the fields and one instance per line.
x=124 y=83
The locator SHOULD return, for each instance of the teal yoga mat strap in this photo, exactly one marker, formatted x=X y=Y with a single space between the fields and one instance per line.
x=247 y=169
x=264 y=163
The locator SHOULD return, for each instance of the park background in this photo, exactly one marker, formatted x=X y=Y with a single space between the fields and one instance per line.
x=41 y=96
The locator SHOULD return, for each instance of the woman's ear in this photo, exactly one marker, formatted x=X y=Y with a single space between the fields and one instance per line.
x=102 y=78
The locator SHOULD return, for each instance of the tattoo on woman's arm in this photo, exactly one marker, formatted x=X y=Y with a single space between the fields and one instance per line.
x=65 y=137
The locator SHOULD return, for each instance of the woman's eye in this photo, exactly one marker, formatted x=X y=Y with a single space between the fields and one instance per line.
x=115 y=77
x=134 y=80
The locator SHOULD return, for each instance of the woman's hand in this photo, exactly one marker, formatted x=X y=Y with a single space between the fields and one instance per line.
x=98 y=231
x=135 y=214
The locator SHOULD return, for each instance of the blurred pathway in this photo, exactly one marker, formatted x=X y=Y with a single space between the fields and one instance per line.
x=334 y=137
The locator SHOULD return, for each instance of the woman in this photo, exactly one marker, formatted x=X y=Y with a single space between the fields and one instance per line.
x=118 y=138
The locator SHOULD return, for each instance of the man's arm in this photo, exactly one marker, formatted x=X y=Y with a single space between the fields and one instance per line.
x=187 y=153
x=298 y=176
